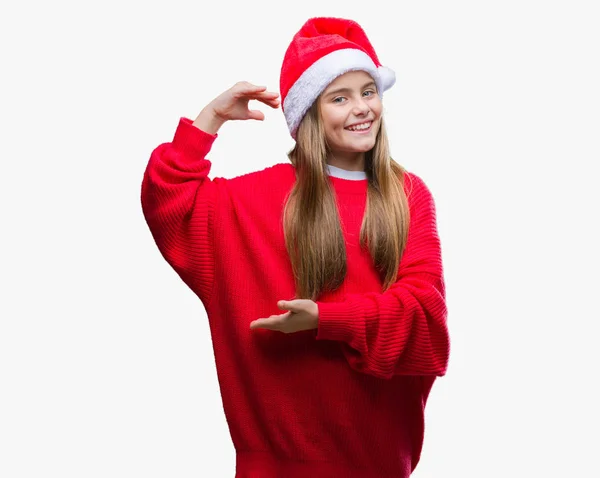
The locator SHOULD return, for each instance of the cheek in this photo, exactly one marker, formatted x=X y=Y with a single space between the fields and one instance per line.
x=334 y=123
x=340 y=121
x=377 y=107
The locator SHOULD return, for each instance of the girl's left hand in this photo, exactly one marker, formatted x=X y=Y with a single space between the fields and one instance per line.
x=303 y=314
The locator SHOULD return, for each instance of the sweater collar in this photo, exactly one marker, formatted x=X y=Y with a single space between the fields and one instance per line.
x=345 y=174
x=357 y=184
x=345 y=181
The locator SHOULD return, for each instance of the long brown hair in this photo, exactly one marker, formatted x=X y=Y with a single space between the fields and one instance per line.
x=311 y=224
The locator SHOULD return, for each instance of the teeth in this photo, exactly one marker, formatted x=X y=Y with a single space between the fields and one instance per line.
x=360 y=126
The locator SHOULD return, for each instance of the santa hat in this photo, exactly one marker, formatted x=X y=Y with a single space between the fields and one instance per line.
x=323 y=49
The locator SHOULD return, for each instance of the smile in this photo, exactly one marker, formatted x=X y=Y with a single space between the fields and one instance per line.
x=360 y=128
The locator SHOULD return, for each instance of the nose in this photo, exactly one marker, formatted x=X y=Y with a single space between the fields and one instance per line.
x=361 y=108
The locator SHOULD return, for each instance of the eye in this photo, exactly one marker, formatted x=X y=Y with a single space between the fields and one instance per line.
x=335 y=100
x=369 y=91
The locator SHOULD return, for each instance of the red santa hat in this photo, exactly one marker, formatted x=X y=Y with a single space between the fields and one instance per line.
x=323 y=49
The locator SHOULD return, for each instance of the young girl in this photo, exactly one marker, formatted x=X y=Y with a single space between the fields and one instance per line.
x=321 y=277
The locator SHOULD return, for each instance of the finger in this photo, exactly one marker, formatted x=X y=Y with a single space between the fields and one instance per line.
x=267 y=97
x=269 y=93
x=274 y=322
x=245 y=89
x=270 y=323
x=290 y=305
x=256 y=115
x=261 y=95
x=262 y=92
x=272 y=102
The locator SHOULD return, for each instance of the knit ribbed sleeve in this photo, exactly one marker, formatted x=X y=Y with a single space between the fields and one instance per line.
x=403 y=330
x=178 y=201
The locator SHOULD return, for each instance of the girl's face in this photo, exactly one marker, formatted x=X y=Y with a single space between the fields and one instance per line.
x=351 y=113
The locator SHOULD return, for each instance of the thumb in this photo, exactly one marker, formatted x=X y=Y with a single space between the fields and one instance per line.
x=256 y=115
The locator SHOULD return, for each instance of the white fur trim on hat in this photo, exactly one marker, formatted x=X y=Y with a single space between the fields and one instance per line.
x=321 y=73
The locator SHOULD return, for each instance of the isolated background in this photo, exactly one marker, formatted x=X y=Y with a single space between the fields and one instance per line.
x=106 y=364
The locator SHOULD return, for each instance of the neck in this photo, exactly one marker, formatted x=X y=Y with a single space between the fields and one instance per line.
x=347 y=161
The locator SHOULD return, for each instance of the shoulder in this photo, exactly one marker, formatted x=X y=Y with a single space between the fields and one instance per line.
x=415 y=185
x=418 y=193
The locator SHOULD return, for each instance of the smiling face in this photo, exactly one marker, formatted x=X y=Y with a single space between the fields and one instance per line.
x=351 y=114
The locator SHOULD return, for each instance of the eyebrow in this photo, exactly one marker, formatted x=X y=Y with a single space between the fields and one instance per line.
x=344 y=89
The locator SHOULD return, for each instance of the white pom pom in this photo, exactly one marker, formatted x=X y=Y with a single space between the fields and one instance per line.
x=388 y=77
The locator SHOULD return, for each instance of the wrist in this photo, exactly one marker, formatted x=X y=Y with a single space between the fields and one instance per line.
x=208 y=121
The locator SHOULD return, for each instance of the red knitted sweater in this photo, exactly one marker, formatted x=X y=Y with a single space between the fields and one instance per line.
x=343 y=401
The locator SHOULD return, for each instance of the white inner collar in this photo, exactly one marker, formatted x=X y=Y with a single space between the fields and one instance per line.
x=345 y=174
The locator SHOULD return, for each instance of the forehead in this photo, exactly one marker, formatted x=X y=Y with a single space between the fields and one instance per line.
x=350 y=79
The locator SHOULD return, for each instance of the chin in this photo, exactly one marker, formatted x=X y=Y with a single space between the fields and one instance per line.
x=361 y=147
x=360 y=150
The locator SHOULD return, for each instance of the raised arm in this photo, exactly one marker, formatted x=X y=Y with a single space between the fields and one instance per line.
x=177 y=196
x=178 y=201
x=403 y=330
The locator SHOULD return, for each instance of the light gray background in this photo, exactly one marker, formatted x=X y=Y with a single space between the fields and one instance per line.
x=106 y=364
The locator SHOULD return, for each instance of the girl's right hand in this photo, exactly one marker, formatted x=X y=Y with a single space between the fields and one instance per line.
x=232 y=104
